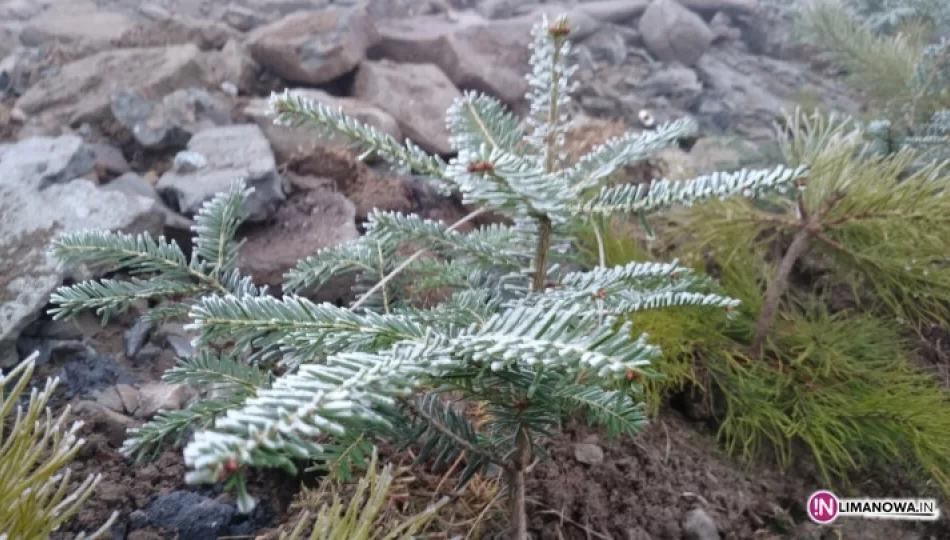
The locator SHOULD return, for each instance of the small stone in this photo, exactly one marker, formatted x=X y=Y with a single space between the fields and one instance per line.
x=674 y=33
x=110 y=399
x=17 y=116
x=156 y=397
x=109 y=161
x=229 y=88
x=87 y=374
x=314 y=47
x=230 y=152
x=149 y=354
x=155 y=13
x=697 y=525
x=588 y=454
x=136 y=337
x=181 y=345
x=242 y=18
x=102 y=420
x=191 y=515
x=188 y=162
x=131 y=400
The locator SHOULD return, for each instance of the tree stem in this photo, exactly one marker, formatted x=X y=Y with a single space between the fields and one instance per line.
x=810 y=225
x=541 y=253
x=517 y=500
x=776 y=290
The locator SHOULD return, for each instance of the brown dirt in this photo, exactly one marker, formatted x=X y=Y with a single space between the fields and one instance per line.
x=645 y=486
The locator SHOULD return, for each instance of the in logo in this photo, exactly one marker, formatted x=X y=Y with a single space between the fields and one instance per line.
x=823 y=507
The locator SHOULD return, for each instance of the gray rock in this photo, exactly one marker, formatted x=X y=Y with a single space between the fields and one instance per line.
x=50 y=349
x=697 y=525
x=106 y=421
x=191 y=515
x=615 y=11
x=171 y=123
x=232 y=152
x=188 y=162
x=136 y=336
x=148 y=354
x=503 y=9
x=416 y=95
x=133 y=184
x=710 y=7
x=154 y=397
x=608 y=45
x=32 y=217
x=678 y=84
x=588 y=454
x=242 y=18
x=314 y=47
x=488 y=56
x=109 y=161
x=181 y=345
x=674 y=33
x=81 y=91
x=87 y=374
x=39 y=162
x=79 y=24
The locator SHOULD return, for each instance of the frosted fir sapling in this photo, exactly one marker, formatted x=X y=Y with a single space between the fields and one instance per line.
x=527 y=341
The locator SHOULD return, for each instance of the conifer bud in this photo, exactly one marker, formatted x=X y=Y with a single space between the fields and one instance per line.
x=560 y=29
x=480 y=167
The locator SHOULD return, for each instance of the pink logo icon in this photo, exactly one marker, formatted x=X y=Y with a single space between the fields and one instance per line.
x=823 y=507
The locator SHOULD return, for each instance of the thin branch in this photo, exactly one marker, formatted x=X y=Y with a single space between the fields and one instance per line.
x=413 y=258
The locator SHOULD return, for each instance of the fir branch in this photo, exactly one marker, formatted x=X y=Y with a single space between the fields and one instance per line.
x=662 y=194
x=490 y=245
x=110 y=296
x=507 y=182
x=113 y=251
x=297 y=326
x=216 y=225
x=476 y=119
x=317 y=270
x=225 y=372
x=147 y=441
x=562 y=338
x=635 y=274
x=444 y=433
x=599 y=164
x=290 y=109
x=616 y=411
x=411 y=259
x=550 y=88
x=287 y=419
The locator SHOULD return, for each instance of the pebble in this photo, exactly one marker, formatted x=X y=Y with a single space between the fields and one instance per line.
x=697 y=525
x=588 y=454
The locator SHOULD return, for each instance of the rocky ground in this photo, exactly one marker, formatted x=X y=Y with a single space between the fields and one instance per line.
x=129 y=114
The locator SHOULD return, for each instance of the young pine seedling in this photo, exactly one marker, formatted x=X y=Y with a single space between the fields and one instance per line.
x=526 y=342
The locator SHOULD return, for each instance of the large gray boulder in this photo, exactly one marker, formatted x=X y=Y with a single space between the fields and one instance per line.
x=82 y=90
x=416 y=95
x=40 y=198
x=314 y=47
x=674 y=33
x=217 y=157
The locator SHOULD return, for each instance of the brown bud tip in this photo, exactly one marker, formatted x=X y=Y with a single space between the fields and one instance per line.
x=559 y=30
x=633 y=375
x=480 y=167
x=228 y=468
